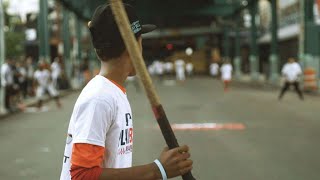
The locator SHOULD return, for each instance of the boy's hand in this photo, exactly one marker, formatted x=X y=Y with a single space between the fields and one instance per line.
x=176 y=161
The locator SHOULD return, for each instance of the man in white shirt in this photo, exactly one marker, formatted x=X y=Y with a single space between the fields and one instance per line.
x=100 y=134
x=180 y=70
x=214 y=69
x=189 y=68
x=168 y=67
x=43 y=83
x=55 y=71
x=30 y=72
x=291 y=72
x=159 y=68
x=226 y=74
x=22 y=79
x=7 y=81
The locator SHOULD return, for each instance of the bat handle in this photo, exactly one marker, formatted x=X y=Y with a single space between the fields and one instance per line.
x=168 y=134
x=188 y=176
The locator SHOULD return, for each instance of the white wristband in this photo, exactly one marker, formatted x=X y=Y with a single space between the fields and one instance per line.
x=163 y=172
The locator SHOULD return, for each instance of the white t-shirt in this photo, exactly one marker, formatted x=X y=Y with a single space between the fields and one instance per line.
x=151 y=69
x=6 y=75
x=168 y=67
x=42 y=77
x=101 y=116
x=291 y=71
x=179 y=65
x=30 y=71
x=189 y=67
x=23 y=74
x=158 y=67
x=214 y=68
x=56 y=70
x=226 y=72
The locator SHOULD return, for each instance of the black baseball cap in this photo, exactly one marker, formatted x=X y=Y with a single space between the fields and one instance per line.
x=104 y=30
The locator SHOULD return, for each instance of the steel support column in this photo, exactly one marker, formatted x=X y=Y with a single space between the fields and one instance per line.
x=254 y=58
x=44 y=43
x=274 y=57
x=66 y=42
x=2 y=54
x=237 y=59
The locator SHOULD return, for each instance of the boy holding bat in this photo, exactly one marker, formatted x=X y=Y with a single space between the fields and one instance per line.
x=100 y=134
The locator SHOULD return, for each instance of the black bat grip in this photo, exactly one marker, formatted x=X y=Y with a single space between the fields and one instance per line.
x=168 y=134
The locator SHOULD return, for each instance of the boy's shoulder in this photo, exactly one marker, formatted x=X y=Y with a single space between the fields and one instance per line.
x=97 y=90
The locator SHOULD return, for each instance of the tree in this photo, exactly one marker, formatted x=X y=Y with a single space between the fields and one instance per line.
x=14 y=44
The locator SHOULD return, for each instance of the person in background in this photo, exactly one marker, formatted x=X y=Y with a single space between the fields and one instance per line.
x=180 y=70
x=43 y=83
x=22 y=78
x=214 y=69
x=189 y=69
x=55 y=72
x=30 y=71
x=226 y=74
x=168 y=66
x=7 y=80
x=291 y=72
x=159 y=68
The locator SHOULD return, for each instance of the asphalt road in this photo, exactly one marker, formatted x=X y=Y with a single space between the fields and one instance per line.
x=278 y=140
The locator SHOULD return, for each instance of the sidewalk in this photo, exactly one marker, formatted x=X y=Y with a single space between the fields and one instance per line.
x=33 y=101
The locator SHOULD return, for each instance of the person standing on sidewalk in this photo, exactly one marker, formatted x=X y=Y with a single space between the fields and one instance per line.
x=56 y=72
x=291 y=72
x=7 y=81
x=30 y=72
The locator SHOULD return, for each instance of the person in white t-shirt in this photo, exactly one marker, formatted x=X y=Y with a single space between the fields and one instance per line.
x=159 y=69
x=30 y=72
x=291 y=72
x=189 y=68
x=100 y=134
x=43 y=83
x=55 y=71
x=168 y=66
x=180 y=70
x=214 y=69
x=151 y=70
x=7 y=82
x=226 y=74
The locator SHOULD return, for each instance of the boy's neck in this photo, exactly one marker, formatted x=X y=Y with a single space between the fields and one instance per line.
x=114 y=73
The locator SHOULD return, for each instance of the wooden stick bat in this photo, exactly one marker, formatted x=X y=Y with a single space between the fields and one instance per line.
x=140 y=67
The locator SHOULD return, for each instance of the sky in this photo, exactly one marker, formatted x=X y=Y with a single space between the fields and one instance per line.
x=22 y=7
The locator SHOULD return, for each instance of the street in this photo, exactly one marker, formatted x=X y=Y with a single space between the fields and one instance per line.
x=277 y=139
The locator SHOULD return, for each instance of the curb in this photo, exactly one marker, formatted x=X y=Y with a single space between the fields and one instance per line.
x=34 y=101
